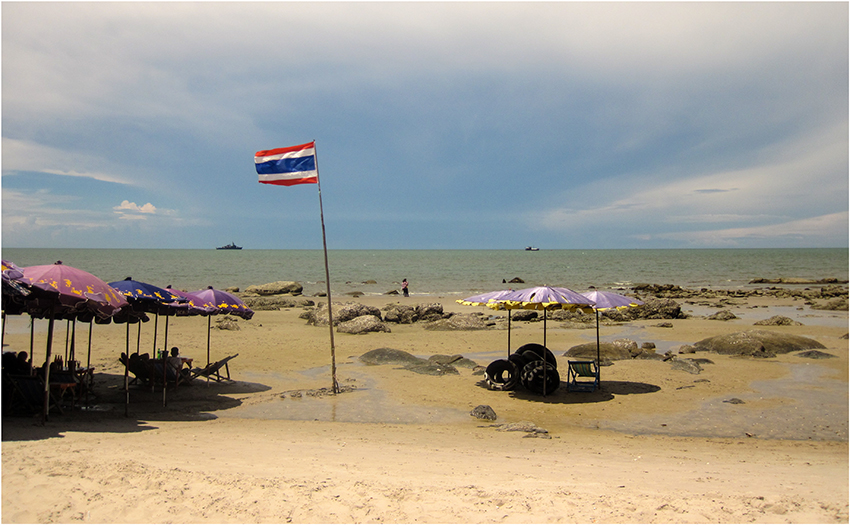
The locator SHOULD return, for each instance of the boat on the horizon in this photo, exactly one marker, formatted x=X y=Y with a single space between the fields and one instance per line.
x=231 y=246
x=531 y=249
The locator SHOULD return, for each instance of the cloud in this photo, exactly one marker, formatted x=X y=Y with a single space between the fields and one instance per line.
x=821 y=231
x=131 y=211
x=27 y=156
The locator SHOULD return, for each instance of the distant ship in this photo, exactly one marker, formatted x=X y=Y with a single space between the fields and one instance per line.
x=230 y=246
x=531 y=249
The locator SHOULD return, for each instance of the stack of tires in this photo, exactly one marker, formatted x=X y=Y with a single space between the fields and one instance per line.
x=533 y=366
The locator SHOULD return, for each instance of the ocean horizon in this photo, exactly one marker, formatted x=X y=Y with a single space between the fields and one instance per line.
x=446 y=272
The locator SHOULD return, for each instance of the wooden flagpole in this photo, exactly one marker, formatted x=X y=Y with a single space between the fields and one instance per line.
x=335 y=384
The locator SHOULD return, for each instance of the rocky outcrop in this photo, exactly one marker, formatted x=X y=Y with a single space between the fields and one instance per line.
x=832 y=289
x=276 y=302
x=342 y=313
x=619 y=350
x=275 y=288
x=756 y=343
x=796 y=280
x=389 y=356
x=722 y=315
x=458 y=322
x=363 y=324
x=778 y=320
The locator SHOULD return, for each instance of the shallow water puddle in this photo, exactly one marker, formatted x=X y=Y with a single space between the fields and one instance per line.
x=365 y=404
x=808 y=408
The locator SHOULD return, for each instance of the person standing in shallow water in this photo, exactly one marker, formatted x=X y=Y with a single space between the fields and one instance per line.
x=404 y=288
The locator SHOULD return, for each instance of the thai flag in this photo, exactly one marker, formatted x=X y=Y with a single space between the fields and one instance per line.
x=288 y=166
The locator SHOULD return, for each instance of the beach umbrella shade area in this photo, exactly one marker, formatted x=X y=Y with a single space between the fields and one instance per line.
x=223 y=303
x=533 y=365
x=608 y=301
x=147 y=298
x=65 y=292
x=487 y=299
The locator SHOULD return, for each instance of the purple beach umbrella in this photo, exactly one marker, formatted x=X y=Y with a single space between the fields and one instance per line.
x=224 y=303
x=608 y=301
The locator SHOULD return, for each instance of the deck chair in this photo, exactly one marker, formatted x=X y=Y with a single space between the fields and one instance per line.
x=582 y=369
x=26 y=394
x=213 y=370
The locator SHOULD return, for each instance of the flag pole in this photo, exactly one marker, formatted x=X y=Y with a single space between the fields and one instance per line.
x=335 y=384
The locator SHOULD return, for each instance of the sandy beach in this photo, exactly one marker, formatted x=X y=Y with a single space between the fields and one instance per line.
x=654 y=445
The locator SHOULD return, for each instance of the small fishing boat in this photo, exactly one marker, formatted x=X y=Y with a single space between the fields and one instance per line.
x=531 y=249
x=231 y=246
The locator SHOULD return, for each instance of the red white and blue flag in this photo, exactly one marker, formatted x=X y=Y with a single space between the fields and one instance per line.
x=288 y=166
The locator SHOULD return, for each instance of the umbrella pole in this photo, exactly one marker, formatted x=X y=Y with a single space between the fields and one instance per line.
x=209 y=329
x=597 y=339
x=155 y=323
x=72 y=356
x=509 y=334
x=67 y=334
x=127 y=370
x=47 y=368
x=90 y=374
x=544 y=352
x=138 y=337
x=32 y=336
x=165 y=363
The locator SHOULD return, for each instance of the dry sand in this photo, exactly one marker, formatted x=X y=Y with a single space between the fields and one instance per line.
x=655 y=445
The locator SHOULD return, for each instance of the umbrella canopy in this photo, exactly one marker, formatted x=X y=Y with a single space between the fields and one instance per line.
x=543 y=298
x=224 y=302
x=72 y=291
x=485 y=298
x=147 y=297
x=193 y=305
x=610 y=300
x=15 y=288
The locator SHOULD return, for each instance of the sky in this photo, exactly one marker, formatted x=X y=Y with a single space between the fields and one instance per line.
x=466 y=125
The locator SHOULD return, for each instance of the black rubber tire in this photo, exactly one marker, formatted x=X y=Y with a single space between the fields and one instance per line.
x=533 y=352
x=495 y=375
x=539 y=351
x=532 y=378
x=518 y=360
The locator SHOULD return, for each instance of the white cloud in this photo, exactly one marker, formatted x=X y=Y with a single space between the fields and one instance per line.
x=130 y=211
x=824 y=230
x=23 y=155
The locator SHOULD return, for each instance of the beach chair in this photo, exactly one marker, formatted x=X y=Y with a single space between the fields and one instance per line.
x=26 y=394
x=582 y=369
x=213 y=370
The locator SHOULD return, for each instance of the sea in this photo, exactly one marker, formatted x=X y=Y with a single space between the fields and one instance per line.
x=446 y=272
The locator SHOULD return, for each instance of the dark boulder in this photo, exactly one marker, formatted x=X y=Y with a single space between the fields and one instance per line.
x=758 y=343
x=389 y=356
x=362 y=325
x=778 y=320
x=458 y=322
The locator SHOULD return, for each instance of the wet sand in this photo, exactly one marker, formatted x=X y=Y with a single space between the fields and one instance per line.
x=653 y=445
